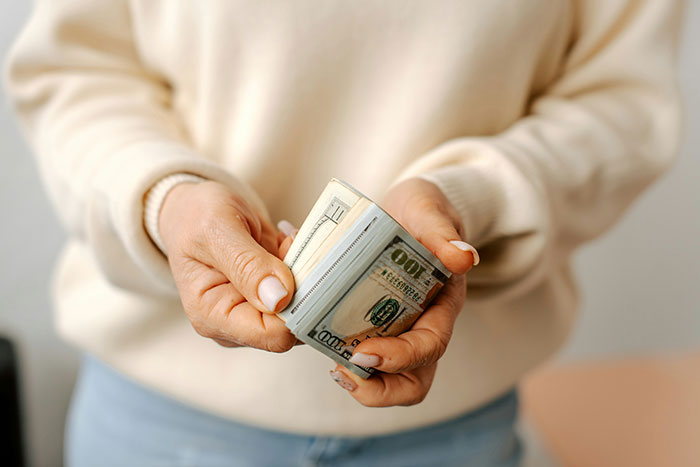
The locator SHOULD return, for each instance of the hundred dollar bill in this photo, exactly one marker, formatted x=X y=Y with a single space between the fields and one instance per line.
x=331 y=207
x=360 y=275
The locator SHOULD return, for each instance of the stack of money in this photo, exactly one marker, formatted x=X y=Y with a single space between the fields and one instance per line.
x=359 y=275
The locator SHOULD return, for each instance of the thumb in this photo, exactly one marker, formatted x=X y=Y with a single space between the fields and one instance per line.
x=263 y=279
x=439 y=234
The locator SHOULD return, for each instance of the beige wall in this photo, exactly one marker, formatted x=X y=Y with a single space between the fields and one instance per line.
x=640 y=283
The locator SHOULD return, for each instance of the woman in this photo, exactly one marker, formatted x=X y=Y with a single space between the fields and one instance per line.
x=171 y=135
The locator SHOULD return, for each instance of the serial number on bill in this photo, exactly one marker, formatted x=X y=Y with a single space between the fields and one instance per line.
x=402 y=285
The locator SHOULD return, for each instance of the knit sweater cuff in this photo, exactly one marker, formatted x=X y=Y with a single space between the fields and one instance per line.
x=154 y=203
x=492 y=195
x=502 y=209
x=116 y=228
x=470 y=192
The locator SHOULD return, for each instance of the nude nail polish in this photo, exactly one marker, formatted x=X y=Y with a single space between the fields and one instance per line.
x=343 y=381
x=286 y=227
x=365 y=359
x=270 y=292
x=464 y=246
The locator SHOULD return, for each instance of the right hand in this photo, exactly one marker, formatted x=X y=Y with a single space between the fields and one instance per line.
x=222 y=256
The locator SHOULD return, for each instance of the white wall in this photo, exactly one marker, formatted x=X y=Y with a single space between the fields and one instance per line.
x=640 y=283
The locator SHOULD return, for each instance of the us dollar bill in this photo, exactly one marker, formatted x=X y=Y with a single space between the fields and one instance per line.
x=329 y=210
x=389 y=294
x=359 y=275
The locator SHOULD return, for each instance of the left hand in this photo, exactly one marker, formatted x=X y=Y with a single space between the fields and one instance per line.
x=407 y=363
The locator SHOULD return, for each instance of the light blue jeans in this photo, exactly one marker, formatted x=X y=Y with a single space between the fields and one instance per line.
x=116 y=422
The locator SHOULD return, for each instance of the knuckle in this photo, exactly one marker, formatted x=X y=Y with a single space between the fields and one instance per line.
x=201 y=328
x=415 y=398
x=369 y=401
x=401 y=361
x=403 y=365
x=444 y=341
x=437 y=349
x=418 y=357
x=417 y=393
x=190 y=303
x=245 y=265
x=436 y=343
x=193 y=297
x=199 y=323
x=197 y=313
x=225 y=343
x=415 y=356
x=373 y=396
x=418 y=350
x=281 y=345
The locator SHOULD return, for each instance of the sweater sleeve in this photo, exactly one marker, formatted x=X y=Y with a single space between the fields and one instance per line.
x=104 y=132
x=591 y=142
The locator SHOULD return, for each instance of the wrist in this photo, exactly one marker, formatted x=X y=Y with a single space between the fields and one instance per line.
x=159 y=195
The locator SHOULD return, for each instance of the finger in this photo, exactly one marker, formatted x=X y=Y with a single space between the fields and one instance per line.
x=284 y=246
x=424 y=344
x=225 y=343
x=437 y=232
x=218 y=311
x=233 y=322
x=268 y=238
x=385 y=390
x=247 y=326
x=263 y=279
x=289 y=231
x=280 y=238
x=287 y=228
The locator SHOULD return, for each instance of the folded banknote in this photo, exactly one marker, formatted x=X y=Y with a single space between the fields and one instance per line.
x=359 y=275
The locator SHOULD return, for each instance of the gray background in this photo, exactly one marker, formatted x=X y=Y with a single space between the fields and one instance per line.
x=640 y=282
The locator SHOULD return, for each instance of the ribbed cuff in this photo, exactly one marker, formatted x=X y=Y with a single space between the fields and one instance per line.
x=116 y=224
x=154 y=203
x=491 y=194
x=472 y=193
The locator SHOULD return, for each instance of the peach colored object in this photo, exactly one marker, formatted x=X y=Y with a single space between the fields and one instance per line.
x=641 y=412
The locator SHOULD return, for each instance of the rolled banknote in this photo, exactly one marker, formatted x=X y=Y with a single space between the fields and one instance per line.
x=359 y=275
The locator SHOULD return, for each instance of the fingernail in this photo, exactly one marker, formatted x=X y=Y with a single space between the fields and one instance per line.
x=270 y=292
x=366 y=360
x=286 y=227
x=464 y=246
x=343 y=381
x=294 y=233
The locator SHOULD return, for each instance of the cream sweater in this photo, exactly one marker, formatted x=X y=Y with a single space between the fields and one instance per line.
x=541 y=120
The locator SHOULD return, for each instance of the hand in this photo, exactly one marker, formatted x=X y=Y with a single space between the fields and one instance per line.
x=222 y=256
x=408 y=362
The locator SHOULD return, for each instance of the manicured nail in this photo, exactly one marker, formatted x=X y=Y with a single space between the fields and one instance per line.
x=294 y=233
x=286 y=227
x=270 y=292
x=343 y=381
x=366 y=360
x=464 y=246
